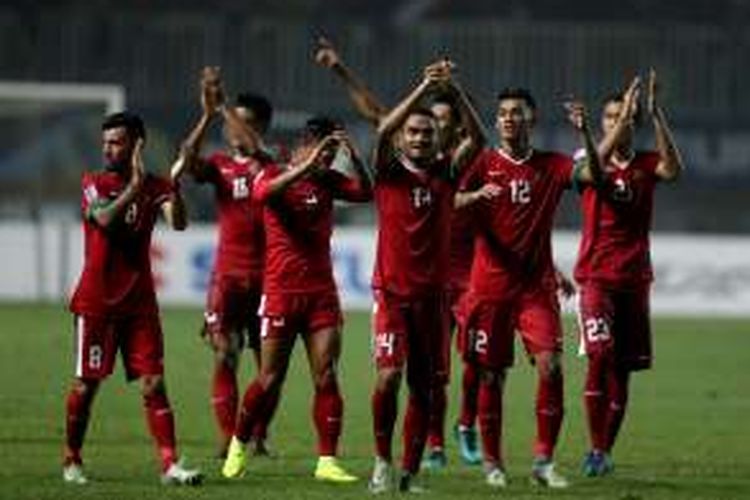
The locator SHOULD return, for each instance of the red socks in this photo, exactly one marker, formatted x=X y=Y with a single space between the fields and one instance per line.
x=77 y=411
x=224 y=399
x=469 y=395
x=605 y=398
x=617 y=387
x=438 y=407
x=384 y=412
x=161 y=425
x=327 y=411
x=595 y=401
x=415 y=432
x=490 y=409
x=252 y=405
x=549 y=412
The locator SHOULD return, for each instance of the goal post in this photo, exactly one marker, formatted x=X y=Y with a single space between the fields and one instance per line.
x=49 y=132
x=112 y=95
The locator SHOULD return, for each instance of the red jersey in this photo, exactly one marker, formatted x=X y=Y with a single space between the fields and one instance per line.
x=414 y=209
x=463 y=222
x=239 y=252
x=298 y=225
x=513 y=241
x=116 y=278
x=616 y=223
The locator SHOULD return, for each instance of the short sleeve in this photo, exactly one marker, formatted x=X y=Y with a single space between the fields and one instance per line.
x=566 y=168
x=348 y=188
x=262 y=181
x=471 y=178
x=208 y=169
x=649 y=161
x=90 y=196
x=162 y=191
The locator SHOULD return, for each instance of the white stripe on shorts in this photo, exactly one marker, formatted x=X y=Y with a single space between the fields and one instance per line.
x=79 y=345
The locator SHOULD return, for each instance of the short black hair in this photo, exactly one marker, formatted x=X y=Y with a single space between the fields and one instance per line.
x=447 y=99
x=517 y=93
x=619 y=97
x=319 y=127
x=259 y=105
x=130 y=121
x=421 y=111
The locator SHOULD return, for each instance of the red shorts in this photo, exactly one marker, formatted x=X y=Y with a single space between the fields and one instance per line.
x=411 y=328
x=232 y=311
x=284 y=315
x=97 y=339
x=491 y=324
x=616 y=321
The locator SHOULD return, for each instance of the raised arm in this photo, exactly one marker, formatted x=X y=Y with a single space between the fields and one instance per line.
x=627 y=114
x=670 y=161
x=174 y=209
x=588 y=169
x=395 y=118
x=103 y=213
x=365 y=102
x=359 y=187
x=266 y=189
x=476 y=136
x=212 y=97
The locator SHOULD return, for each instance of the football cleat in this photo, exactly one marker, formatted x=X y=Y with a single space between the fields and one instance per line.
x=178 y=475
x=597 y=463
x=543 y=473
x=381 y=480
x=495 y=478
x=236 y=461
x=73 y=474
x=329 y=469
x=435 y=459
x=467 y=445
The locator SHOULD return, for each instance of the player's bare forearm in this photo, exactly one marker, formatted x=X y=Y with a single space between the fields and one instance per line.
x=590 y=169
x=175 y=211
x=465 y=199
x=476 y=135
x=191 y=147
x=251 y=139
x=398 y=114
x=363 y=177
x=103 y=213
x=670 y=164
x=364 y=100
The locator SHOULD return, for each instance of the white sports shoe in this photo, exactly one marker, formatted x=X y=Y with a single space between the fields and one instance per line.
x=496 y=478
x=382 y=477
x=73 y=474
x=179 y=475
x=543 y=473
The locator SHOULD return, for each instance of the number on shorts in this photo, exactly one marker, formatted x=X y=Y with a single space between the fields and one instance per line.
x=131 y=214
x=385 y=343
x=596 y=329
x=479 y=341
x=95 y=357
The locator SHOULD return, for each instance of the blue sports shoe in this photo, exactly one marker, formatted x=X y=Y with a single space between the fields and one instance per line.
x=467 y=445
x=597 y=464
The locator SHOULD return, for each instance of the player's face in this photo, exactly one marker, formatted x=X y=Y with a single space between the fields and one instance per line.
x=446 y=123
x=117 y=147
x=610 y=114
x=248 y=116
x=419 y=137
x=514 y=119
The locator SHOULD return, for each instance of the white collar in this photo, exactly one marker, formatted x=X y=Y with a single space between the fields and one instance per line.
x=518 y=161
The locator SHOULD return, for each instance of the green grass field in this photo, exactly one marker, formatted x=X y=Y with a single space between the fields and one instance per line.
x=687 y=434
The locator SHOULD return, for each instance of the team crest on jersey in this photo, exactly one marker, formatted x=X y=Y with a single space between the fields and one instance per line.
x=311 y=199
